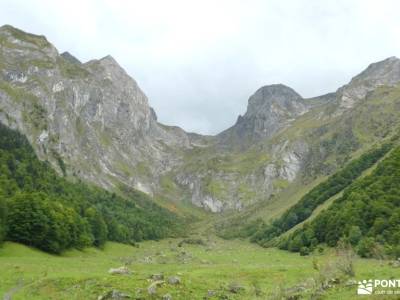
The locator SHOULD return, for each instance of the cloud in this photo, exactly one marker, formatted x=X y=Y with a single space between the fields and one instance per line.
x=199 y=61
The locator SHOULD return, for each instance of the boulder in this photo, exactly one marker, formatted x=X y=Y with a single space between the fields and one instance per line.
x=167 y=297
x=235 y=288
x=174 y=280
x=119 y=271
x=115 y=295
x=210 y=293
x=152 y=289
x=157 y=276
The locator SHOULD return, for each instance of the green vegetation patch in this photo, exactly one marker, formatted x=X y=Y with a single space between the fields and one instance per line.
x=319 y=194
x=41 y=209
x=367 y=215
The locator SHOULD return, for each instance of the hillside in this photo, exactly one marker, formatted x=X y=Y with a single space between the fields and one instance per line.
x=367 y=215
x=42 y=209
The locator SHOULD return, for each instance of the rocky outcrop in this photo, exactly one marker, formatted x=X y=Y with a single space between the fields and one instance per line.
x=93 y=116
x=271 y=108
x=383 y=73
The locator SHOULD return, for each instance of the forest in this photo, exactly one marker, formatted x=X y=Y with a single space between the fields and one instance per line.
x=42 y=209
x=367 y=216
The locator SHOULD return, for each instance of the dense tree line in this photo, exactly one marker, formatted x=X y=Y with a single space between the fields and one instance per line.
x=366 y=216
x=41 y=209
x=319 y=194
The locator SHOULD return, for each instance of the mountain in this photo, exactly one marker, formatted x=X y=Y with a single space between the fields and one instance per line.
x=93 y=116
x=271 y=108
x=92 y=121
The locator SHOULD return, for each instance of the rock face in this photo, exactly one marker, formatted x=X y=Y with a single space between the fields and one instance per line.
x=383 y=73
x=269 y=109
x=92 y=121
x=93 y=116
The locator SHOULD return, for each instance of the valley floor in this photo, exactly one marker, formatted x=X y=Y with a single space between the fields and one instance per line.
x=217 y=270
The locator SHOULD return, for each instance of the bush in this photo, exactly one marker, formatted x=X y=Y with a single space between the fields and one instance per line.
x=304 y=251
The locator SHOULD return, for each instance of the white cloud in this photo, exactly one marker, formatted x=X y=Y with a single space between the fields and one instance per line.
x=199 y=61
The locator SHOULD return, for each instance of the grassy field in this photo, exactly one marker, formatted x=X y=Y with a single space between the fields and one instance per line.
x=221 y=269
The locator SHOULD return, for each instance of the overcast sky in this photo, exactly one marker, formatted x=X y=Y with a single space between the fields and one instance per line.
x=199 y=61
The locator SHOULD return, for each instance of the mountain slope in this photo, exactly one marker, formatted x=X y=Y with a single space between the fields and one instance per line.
x=320 y=194
x=41 y=209
x=91 y=120
x=367 y=215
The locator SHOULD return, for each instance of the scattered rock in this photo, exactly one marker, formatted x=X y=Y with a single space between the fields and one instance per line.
x=210 y=293
x=395 y=263
x=119 y=271
x=296 y=289
x=152 y=289
x=235 y=287
x=194 y=241
x=115 y=295
x=157 y=276
x=167 y=297
x=147 y=259
x=351 y=282
x=293 y=297
x=174 y=280
x=334 y=280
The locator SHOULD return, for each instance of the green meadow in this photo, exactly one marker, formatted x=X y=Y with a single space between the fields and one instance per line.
x=209 y=269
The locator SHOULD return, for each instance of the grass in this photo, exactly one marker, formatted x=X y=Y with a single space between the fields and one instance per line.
x=84 y=274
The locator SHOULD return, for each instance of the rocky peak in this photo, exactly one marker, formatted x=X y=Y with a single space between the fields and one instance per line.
x=385 y=72
x=277 y=98
x=69 y=57
x=12 y=37
x=269 y=109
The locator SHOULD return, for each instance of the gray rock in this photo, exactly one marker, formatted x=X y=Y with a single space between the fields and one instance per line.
x=152 y=288
x=115 y=295
x=119 y=271
x=383 y=73
x=271 y=108
x=235 y=288
x=159 y=276
x=211 y=293
x=174 y=280
x=351 y=282
x=167 y=297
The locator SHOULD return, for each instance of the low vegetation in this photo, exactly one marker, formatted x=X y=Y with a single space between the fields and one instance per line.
x=218 y=270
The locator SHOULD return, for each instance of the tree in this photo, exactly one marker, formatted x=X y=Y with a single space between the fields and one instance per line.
x=366 y=247
x=3 y=212
x=28 y=221
x=355 y=235
x=97 y=225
